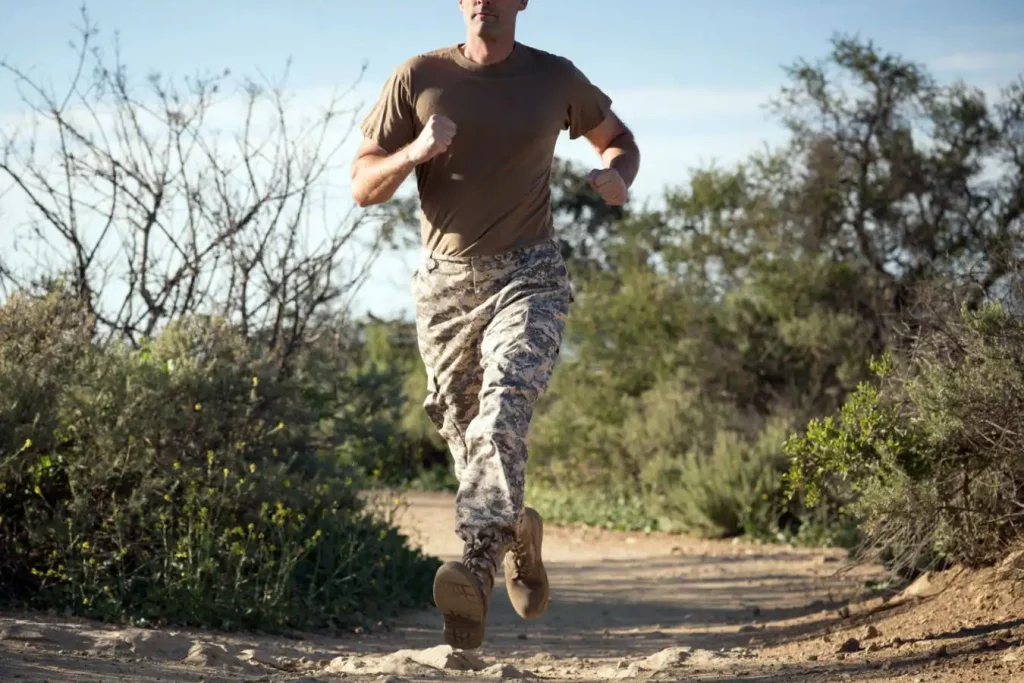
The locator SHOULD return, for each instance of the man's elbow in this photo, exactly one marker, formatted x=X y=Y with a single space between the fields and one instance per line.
x=361 y=194
x=625 y=142
x=362 y=199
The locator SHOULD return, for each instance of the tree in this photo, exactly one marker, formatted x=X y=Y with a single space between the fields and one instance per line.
x=148 y=210
x=911 y=180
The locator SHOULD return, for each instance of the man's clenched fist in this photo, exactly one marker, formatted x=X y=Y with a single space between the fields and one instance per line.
x=434 y=139
x=609 y=184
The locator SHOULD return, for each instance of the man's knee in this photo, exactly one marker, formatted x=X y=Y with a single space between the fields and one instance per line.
x=505 y=413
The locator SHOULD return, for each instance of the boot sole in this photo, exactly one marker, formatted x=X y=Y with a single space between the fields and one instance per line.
x=458 y=597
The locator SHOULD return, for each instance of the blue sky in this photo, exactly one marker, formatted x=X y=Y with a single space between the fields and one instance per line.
x=688 y=77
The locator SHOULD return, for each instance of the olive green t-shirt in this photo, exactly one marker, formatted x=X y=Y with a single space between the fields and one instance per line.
x=491 y=191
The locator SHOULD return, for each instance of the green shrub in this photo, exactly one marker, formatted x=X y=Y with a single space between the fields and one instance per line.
x=731 y=489
x=605 y=508
x=179 y=482
x=369 y=389
x=933 y=452
x=671 y=403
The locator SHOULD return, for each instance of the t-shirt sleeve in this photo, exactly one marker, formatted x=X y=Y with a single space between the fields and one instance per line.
x=587 y=106
x=391 y=122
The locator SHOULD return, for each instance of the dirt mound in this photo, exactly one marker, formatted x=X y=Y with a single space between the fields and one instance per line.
x=961 y=625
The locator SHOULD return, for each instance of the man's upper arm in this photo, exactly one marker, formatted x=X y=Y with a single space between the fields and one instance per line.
x=603 y=135
x=391 y=124
x=586 y=106
x=369 y=148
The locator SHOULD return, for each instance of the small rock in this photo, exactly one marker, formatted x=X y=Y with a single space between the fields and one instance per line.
x=206 y=655
x=667 y=659
x=812 y=658
x=874 y=647
x=506 y=671
x=24 y=634
x=1013 y=656
x=541 y=657
x=112 y=643
x=634 y=670
x=261 y=657
x=700 y=657
x=923 y=587
x=1013 y=563
x=851 y=645
x=749 y=628
x=872 y=633
x=446 y=658
x=522 y=636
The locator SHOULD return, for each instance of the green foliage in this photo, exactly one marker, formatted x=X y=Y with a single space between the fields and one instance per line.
x=369 y=388
x=868 y=436
x=591 y=506
x=754 y=299
x=680 y=397
x=728 y=490
x=932 y=451
x=180 y=482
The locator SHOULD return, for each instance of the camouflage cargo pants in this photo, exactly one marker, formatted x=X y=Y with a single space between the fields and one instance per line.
x=489 y=330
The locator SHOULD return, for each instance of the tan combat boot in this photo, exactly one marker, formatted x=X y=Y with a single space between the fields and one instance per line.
x=525 y=577
x=462 y=593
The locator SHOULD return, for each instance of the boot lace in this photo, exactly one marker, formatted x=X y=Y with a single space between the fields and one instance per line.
x=479 y=556
x=518 y=549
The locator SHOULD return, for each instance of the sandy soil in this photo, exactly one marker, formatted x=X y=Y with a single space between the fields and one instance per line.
x=624 y=606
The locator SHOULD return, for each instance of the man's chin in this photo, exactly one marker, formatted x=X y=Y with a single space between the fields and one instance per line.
x=486 y=27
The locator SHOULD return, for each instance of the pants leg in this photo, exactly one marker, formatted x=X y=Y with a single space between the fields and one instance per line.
x=449 y=326
x=490 y=331
x=519 y=350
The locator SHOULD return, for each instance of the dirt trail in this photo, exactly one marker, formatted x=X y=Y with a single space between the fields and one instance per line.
x=624 y=606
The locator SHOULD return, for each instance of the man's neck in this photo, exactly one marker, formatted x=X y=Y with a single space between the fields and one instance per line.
x=481 y=51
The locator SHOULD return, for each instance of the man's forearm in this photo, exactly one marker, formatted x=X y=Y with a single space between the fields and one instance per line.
x=624 y=156
x=375 y=179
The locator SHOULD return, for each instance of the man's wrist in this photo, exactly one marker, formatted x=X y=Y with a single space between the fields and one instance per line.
x=407 y=160
x=625 y=172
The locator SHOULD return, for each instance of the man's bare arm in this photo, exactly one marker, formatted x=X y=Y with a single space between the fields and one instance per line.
x=377 y=175
x=617 y=149
x=614 y=142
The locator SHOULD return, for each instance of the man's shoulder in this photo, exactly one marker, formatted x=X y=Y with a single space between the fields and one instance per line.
x=426 y=60
x=555 y=64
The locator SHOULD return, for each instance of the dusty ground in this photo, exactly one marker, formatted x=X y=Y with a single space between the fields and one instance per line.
x=624 y=606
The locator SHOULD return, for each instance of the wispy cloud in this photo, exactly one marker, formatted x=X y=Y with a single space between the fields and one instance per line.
x=980 y=61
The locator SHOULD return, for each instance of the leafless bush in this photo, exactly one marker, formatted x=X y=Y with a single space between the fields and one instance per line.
x=152 y=201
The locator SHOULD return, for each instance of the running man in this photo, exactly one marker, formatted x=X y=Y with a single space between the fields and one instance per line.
x=478 y=122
